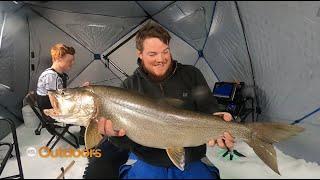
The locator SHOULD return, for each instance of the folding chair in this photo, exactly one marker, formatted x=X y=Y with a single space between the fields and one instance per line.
x=11 y=146
x=51 y=126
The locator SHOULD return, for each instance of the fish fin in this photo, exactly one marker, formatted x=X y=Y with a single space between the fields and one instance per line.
x=265 y=134
x=177 y=156
x=266 y=153
x=92 y=136
x=274 y=132
x=178 y=103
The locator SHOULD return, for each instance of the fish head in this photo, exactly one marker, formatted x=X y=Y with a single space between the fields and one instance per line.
x=76 y=106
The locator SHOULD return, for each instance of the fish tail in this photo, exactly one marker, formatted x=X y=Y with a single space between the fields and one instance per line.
x=263 y=135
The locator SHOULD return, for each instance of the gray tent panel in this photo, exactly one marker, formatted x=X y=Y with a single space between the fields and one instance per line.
x=95 y=32
x=14 y=65
x=14 y=59
x=154 y=7
x=182 y=51
x=284 y=42
x=42 y=42
x=125 y=58
x=6 y=55
x=207 y=72
x=190 y=21
x=107 y=8
x=122 y=54
x=96 y=73
x=9 y=6
x=2 y=16
x=225 y=49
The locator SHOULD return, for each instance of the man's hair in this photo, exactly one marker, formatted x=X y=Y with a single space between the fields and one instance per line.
x=59 y=50
x=151 y=30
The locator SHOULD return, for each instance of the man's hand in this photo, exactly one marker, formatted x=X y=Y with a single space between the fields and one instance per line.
x=224 y=115
x=226 y=140
x=105 y=127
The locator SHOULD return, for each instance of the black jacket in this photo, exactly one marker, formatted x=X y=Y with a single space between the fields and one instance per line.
x=185 y=82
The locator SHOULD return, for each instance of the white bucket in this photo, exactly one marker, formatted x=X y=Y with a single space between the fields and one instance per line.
x=30 y=118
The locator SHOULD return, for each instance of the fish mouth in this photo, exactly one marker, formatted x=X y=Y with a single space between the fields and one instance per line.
x=54 y=111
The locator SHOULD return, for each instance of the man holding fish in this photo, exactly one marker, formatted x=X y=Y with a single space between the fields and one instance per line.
x=159 y=76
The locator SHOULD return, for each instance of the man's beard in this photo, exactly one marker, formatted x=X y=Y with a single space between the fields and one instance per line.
x=156 y=78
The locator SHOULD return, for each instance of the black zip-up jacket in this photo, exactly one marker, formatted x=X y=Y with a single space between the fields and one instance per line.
x=185 y=82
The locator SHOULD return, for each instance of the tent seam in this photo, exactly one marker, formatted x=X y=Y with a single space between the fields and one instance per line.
x=212 y=69
x=148 y=15
x=164 y=8
x=84 y=13
x=304 y=117
x=249 y=55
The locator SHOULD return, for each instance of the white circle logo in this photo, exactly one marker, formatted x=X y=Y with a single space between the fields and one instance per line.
x=31 y=151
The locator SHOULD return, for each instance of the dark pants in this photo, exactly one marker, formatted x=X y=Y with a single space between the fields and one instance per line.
x=107 y=166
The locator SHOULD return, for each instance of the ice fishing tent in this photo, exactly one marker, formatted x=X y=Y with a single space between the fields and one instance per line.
x=272 y=46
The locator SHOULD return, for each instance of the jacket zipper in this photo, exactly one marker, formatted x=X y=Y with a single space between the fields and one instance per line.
x=161 y=88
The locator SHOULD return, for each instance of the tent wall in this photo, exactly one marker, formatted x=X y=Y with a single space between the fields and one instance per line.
x=14 y=63
x=284 y=42
x=204 y=67
x=225 y=49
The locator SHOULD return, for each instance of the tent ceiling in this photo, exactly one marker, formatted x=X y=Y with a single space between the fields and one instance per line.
x=107 y=8
x=95 y=32
x=154 y=7
x=9 y=6
x=190 y=21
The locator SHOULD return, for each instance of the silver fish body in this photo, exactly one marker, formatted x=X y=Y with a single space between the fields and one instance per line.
x=155 y=123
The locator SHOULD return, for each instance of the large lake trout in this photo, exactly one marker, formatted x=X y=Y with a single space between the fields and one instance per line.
x=158 y=123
